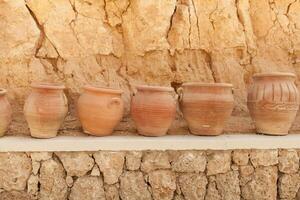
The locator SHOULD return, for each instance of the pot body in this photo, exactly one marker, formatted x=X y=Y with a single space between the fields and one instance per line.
x=206 y=107
x=153 y=110
x=45 y=110
x=5 y=112
x=273 y=102
x=100 y=110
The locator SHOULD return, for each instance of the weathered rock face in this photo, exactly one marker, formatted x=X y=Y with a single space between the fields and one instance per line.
x=218 y=162
x=147 y=175
x=159 y=42
x=163 y=184
x=193 y=186
x=52 y=180
x=76 y=163
x=87 y=187
x=15 y=169
x=133 y=186
x=110 y=164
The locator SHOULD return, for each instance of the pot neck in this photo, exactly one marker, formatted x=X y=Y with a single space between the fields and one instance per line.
x=265 y=77
x=102 y=91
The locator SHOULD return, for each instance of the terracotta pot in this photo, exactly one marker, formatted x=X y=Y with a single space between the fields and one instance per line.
x=5 y=112
x=273 y=102
x=206 y=106
x=45 y=109
x=100 y=110
x=153 y=109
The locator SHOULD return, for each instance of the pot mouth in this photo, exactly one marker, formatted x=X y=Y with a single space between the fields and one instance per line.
x=2 y=91
x=274 y=74
x=154 y=88
x=102 y=89
x=45 y=85
x=207 y=84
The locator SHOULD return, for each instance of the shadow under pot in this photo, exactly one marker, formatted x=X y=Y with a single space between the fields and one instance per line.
x=100 y=110
x=153 y=109
x=273 y=102
x=5 y=112
x=45 y=109
x=206 y=106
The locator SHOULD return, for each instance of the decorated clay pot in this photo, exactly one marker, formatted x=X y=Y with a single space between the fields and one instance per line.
x=100 y=110
x=153 y=109
x=273 y=102
x=206 y=106
x=5 y=112
x=45 y=109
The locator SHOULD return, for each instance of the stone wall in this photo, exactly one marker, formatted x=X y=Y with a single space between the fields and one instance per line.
x=159 y=42
x=160 y=175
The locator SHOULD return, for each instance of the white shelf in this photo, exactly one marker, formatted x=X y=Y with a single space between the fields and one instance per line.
x=178 y=142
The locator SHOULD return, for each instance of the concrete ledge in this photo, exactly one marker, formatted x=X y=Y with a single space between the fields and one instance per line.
x=178 y=142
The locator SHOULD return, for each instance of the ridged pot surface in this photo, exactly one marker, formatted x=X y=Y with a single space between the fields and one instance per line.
x=273 y=102
x=153 y=110
x=206 y=107
x=100 y=110
x=5 y=112
x=45 y=110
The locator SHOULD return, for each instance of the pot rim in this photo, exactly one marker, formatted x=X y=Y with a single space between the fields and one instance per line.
x=47 y=85
x=274 y=74
x=102 y=89
x=154 y=88
x=207 y=84
x=2 y=91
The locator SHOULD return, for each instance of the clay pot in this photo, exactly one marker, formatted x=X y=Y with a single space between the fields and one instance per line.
x=100 y=110
x=153 y=109
x=273 y=102
x=45 y=109
x=5 y=112
x=206 y=106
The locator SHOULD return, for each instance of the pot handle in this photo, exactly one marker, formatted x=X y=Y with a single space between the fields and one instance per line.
x=65 y=100
x=114 y=101
x=180 y=93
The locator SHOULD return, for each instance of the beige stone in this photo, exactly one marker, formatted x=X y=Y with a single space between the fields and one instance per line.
x=15 y=169
x=288 y=161
x=35 y=167
x=88 y=188
x=188 y=161
x=95 y=171
x=133 y=160
x=69 y=181
x=288 y=186
x=163 y=184
x=14 y=195
x=133 y=186
x=178 y=197
x=218 y=162
x=40 y=156
x=264 y=157
x=240 y=157
x=155 y=160
x=111 y=192
x=33 y=185
x=110 y=164
x=263 y=184
x=212 y=191
x=193 y=186
x=76 y=163
x=228 y=185
x=246 y=173
x=52 y=181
